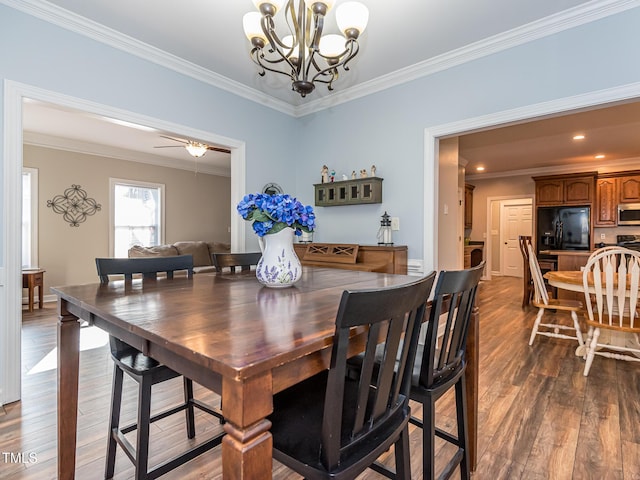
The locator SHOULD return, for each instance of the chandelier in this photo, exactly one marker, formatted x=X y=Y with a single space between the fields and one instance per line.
x=304 y=54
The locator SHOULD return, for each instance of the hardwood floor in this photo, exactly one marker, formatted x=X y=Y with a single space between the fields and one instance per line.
x=539 y=417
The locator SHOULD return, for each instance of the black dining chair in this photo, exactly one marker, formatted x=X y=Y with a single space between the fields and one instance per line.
x=234 y=261
x=334 y=424
x=147 y=372
x=440 y=365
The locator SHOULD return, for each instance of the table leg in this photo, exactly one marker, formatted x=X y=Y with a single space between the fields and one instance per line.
x=40 y=297
x=471 y=380
x=68 y=366
x=31 y=289
x=248 y=447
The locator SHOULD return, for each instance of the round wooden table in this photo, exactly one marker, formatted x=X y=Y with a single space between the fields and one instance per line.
x=572 y=280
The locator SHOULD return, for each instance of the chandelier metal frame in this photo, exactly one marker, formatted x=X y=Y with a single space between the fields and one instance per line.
x=302 y=61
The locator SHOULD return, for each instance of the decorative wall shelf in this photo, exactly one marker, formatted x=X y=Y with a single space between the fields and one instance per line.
x=349 y=192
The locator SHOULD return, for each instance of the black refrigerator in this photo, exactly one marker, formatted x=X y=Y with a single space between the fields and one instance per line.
x=563 y=228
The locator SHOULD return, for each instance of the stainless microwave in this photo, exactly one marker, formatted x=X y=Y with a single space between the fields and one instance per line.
x=629 y=214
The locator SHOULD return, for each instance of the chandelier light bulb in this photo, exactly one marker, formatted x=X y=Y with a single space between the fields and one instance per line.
x=252 y=26
x=295 y=53
x=332 y=45
x=352 y=16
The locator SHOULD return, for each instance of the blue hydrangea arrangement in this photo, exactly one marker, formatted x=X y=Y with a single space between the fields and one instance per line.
x=272 y=213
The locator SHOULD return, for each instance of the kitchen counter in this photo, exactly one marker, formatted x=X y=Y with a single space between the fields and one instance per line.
x=571 y=253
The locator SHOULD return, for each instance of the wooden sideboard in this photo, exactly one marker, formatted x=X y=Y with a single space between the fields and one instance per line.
x=372 y=258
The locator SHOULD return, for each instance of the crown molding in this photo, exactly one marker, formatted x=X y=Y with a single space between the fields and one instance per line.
x=88 y=148
x=570 y=18
x=96 y=31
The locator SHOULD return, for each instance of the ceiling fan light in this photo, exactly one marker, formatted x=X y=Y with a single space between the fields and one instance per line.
x=251 y=22
x=352 y=16
x=332 y=45
x=196 y=149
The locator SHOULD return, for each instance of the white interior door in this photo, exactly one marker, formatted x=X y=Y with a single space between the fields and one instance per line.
x=516 y=220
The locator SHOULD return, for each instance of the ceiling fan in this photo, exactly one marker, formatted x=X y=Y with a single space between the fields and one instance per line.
x=195 y=149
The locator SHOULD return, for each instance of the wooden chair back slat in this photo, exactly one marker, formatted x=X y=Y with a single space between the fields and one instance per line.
x=454 y=294
x=541 y=295
x=235 y=261
x=392 y=316
x=148 y=267
x=613 y=275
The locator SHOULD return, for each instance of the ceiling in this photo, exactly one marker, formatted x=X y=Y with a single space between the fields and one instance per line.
x=209 y=36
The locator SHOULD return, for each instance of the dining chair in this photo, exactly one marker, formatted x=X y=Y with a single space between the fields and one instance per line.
x=543 y=302
x=440 y=365
x=611 y=280
x=235 y=261
x=527 y=286
x=335 y=425
x=147 y=372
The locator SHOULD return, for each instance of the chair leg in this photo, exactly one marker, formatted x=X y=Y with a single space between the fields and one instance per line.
x=144 y=416
x=114 y=421
x=188 y=399
x=461 y=420
x=536 y=325
x=428 y=439
x=592 y=351
x=576 y=325
x=403 y=459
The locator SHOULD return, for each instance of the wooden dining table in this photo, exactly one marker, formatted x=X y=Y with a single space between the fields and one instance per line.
x=230 y=334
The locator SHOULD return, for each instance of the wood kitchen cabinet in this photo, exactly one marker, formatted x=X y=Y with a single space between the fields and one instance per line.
x=629 y=188
x=606 y=210
x=572 y=189
x=468 y=205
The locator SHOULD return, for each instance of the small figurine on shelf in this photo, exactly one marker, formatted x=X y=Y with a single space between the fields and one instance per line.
x=325 y=174
x=373 y=170
x=353 y=175
x=332 y=175
x=363 y=173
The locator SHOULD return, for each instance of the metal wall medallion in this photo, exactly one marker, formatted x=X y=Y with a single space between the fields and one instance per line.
x=74 y=205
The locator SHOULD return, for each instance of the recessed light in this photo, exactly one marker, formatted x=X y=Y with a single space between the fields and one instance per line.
x=480 y=169
x=600 y=156
x=578 y=137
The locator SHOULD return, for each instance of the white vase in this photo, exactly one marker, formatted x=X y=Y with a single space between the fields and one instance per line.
x=279 y=266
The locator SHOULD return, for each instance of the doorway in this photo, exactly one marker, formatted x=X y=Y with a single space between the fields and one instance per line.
x=11 y=293
x=516 y=219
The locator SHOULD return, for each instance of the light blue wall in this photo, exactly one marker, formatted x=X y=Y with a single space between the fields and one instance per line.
x=39 y=54
x=387 y=128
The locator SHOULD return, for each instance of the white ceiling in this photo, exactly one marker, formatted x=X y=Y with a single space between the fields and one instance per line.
x=208 y=35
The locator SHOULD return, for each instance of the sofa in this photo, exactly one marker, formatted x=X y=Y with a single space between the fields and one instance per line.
x=200 y=251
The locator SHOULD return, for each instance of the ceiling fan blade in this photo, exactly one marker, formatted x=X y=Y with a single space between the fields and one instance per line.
x=218 y=149
x=175 y=139
x=168 y=146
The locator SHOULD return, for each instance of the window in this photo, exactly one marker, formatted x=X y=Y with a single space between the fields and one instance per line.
x=137 y=215
x=29 y=217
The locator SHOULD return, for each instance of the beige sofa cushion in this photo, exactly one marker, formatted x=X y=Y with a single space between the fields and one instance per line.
x=158 y=251
x=199 y=251
x=219 y=247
